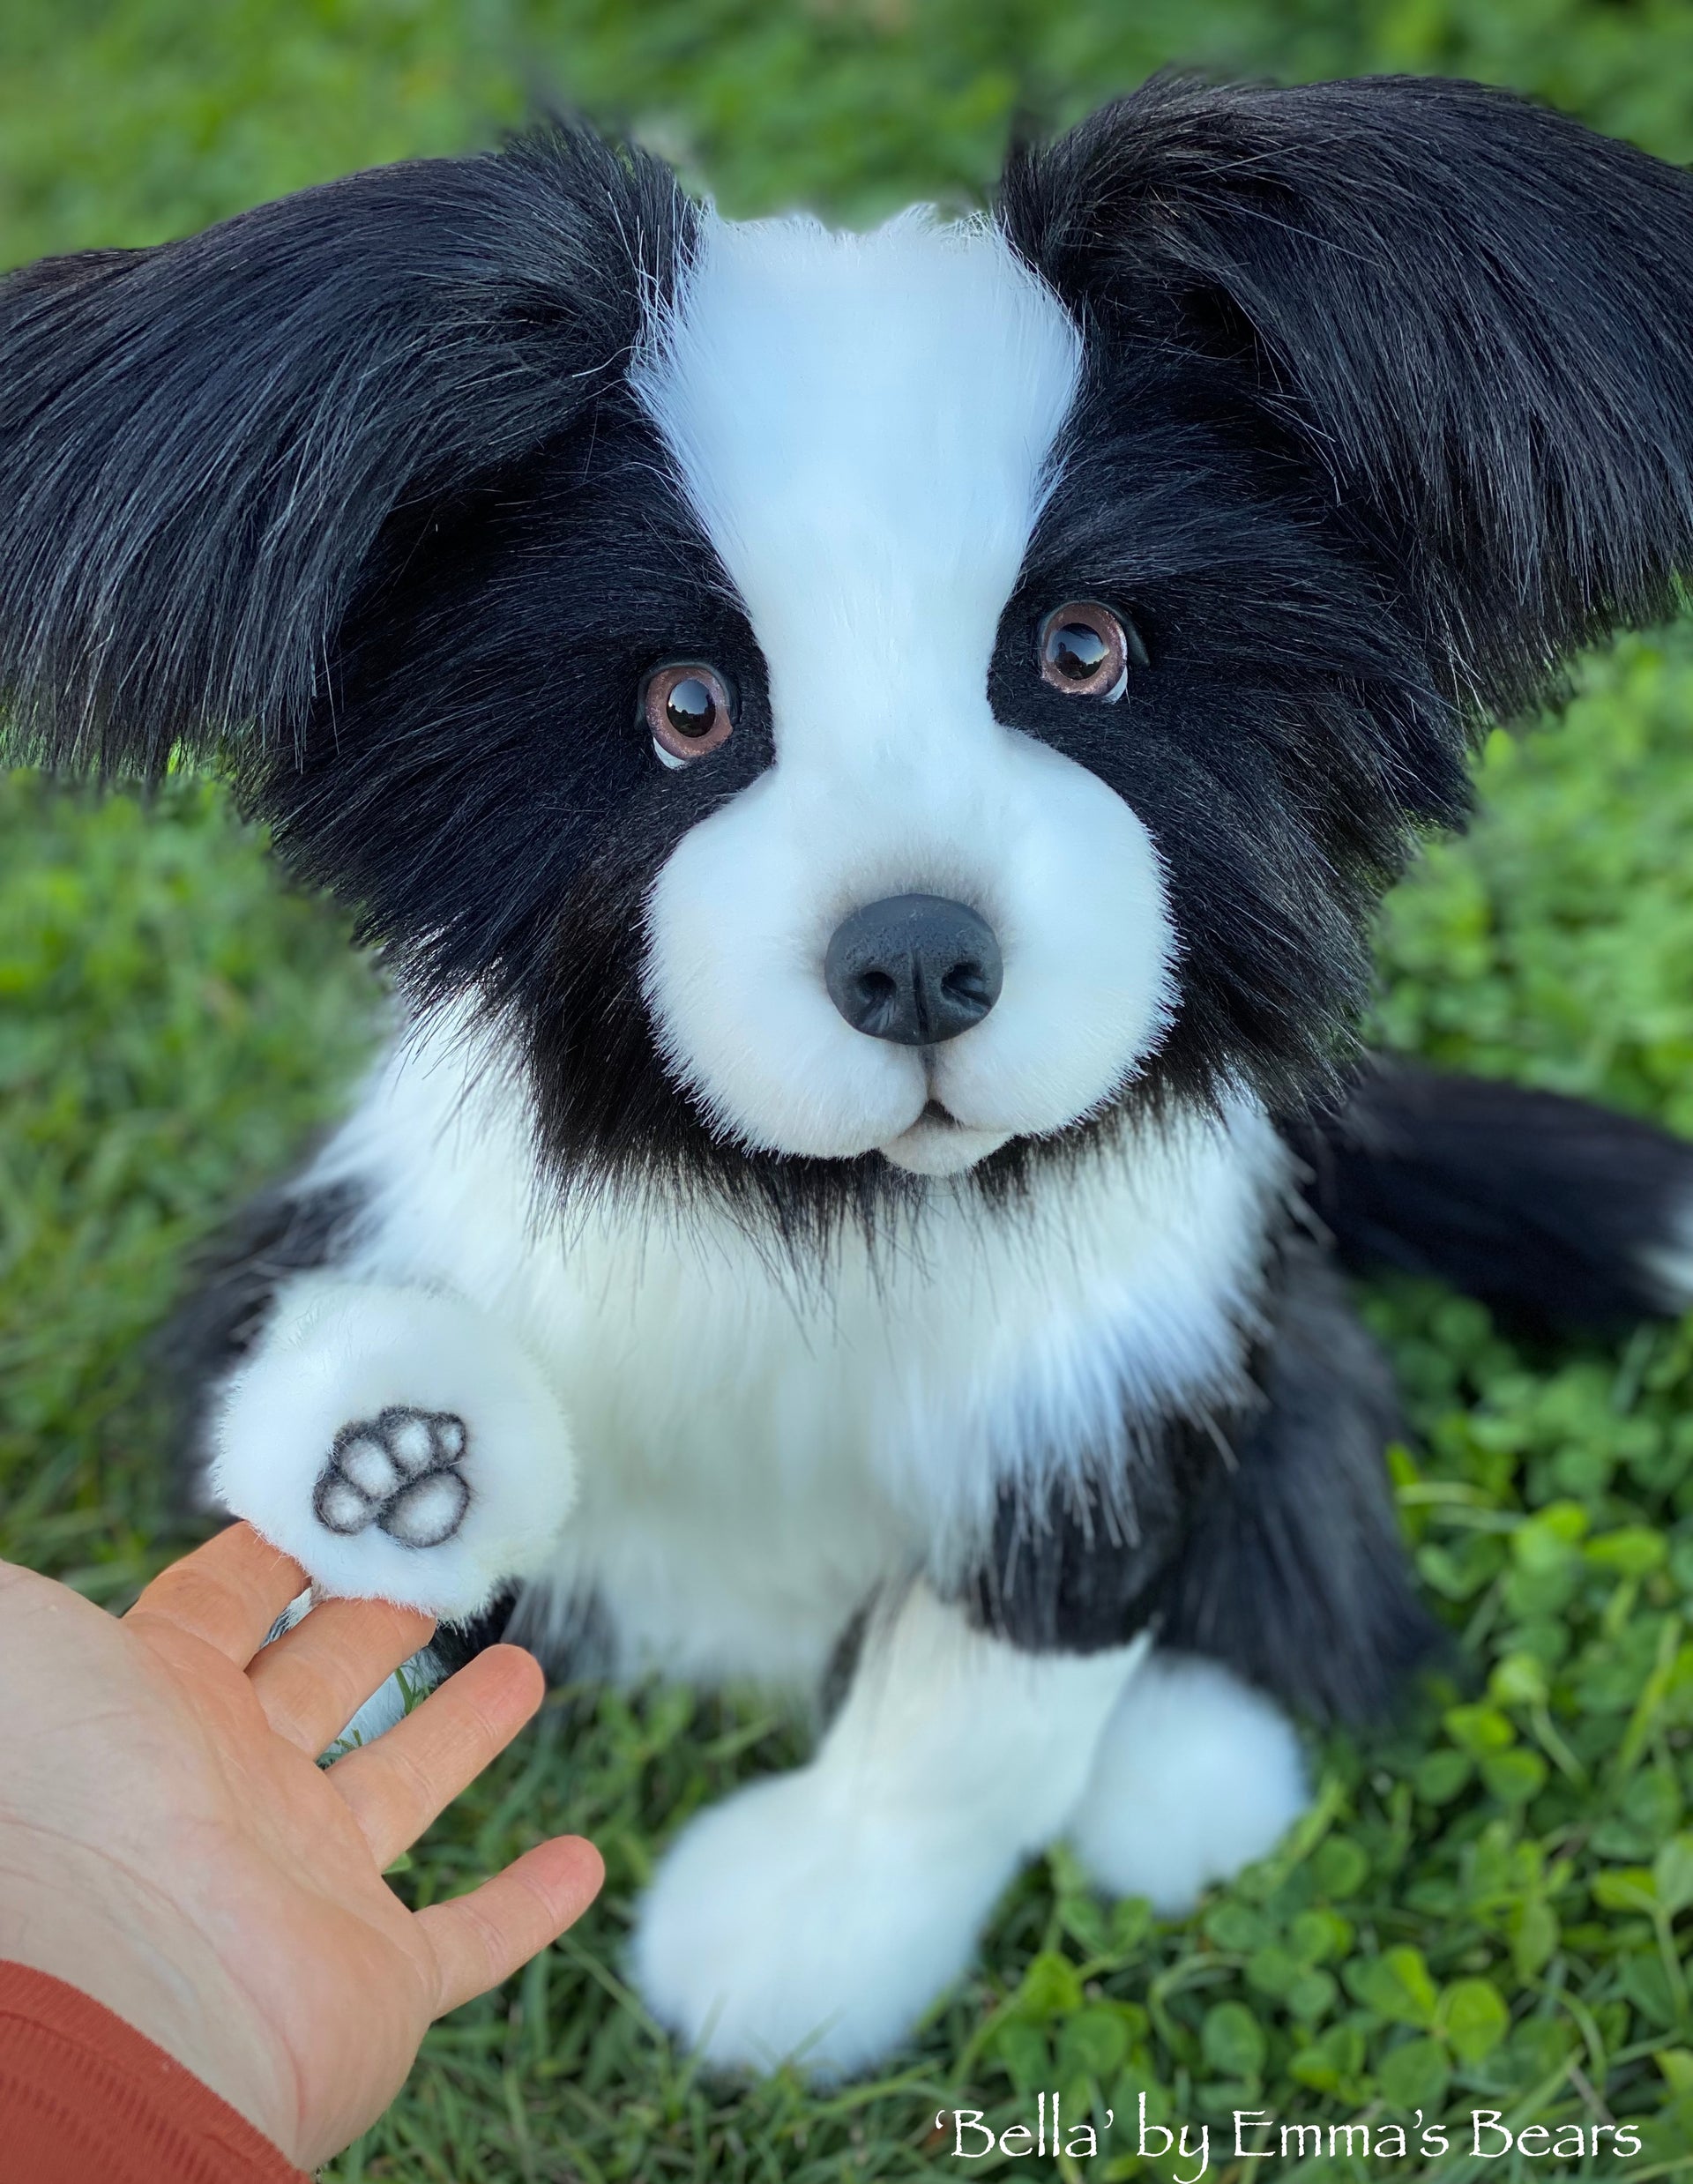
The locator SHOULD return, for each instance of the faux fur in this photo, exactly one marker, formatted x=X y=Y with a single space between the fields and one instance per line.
x=1447 y=1176
x=910 y=383
x=645 y=1304
x=813 y=1431
x=304 y=1430
x=817 y=1913
x=1196 y=1775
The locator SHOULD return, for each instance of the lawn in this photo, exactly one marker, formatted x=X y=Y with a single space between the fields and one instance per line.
x=1481 y=1912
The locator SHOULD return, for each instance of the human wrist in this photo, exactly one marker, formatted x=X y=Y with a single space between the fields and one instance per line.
x=69 y=1912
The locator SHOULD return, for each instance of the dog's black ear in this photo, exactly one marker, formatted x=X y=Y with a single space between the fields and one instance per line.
x=1469 y=320
x=200 y=443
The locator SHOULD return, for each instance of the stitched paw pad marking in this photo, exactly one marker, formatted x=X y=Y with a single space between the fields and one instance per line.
x=399 y=1472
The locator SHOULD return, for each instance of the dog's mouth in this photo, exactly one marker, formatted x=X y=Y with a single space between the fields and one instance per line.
x=938 y=1144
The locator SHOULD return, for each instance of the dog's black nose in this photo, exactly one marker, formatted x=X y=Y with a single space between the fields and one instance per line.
x=915 y=969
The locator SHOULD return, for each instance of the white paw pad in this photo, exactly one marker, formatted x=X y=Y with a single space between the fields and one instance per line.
x=399 y=1472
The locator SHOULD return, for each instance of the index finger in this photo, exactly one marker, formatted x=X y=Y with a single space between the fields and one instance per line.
x=228 y=1593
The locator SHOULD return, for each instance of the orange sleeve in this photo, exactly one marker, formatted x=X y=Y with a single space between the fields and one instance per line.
x=85 y=2098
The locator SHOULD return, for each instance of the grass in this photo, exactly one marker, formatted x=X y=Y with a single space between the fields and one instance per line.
x=1487 y=1907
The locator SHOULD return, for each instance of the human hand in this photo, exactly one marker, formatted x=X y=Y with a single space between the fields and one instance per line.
x=169 y=1846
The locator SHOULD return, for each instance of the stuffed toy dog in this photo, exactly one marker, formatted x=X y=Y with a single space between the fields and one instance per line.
x=870 y=759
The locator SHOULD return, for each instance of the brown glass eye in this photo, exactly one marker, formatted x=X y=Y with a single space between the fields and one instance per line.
x=1086 y=650
x=687 y=708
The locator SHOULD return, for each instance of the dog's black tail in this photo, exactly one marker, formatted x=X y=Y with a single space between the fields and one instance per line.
x=1556 y=1213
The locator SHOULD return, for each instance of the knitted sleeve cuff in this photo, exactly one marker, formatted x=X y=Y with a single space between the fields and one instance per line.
x=84 y=2095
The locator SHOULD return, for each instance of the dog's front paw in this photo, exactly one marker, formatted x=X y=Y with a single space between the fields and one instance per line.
x=787 y=1924
x=399 y=1442
x=400 y=1470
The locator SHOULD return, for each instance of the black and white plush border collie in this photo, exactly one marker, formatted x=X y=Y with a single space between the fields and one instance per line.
x=871 y=758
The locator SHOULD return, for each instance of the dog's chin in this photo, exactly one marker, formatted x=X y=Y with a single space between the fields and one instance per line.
x=936 y=1145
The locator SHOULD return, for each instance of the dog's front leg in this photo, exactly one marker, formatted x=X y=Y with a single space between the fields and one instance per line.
x=395 y=1441
x=818 y=1914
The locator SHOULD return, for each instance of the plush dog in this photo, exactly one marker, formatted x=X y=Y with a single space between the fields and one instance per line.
x=870 y=759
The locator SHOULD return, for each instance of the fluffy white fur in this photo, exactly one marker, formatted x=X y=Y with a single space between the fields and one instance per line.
x=338 y=1353
x=865 y=424
x=820 y=1912
x=757 y=1453
x=1196 y=1776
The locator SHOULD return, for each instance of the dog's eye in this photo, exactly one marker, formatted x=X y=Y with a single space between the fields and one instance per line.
x=1086 y=650
x=687 y=708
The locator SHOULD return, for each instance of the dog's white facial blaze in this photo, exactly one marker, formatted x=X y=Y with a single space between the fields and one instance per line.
x=865 y=425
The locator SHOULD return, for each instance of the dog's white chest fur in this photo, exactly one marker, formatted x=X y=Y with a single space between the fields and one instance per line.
x=760 y=1448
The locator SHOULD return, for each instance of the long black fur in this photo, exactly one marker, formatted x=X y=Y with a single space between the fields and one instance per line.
x=1390 y=407
x=1560 y=1214
x=231 y=1287
x=1291 y=1572
x=200 y=444
x=1265 y=1539
x=1080 y=1568
x=1460 y=320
